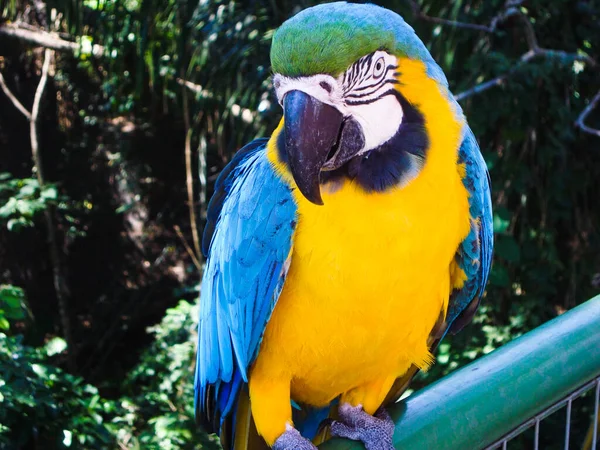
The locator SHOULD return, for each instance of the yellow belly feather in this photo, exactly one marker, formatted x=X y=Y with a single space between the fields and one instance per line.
x=370 y=274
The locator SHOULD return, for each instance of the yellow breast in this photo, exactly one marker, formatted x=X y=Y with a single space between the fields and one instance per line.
x=369 y=277
x=370 y=272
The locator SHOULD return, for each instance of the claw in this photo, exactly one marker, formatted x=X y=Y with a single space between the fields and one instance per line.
x=291 y=439
x=376 y=432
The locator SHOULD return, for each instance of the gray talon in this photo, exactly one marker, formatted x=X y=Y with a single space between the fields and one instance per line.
x=291 y=439
x=376 y=432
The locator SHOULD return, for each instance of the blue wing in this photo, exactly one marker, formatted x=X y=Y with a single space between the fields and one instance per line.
x=474 y=254
x=248 y=239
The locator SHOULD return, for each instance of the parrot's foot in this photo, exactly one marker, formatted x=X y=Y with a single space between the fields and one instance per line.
x=376 y=432
x=291 y=439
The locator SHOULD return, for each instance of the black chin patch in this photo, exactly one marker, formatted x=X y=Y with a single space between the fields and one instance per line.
x=350 y=142
x=392 y=163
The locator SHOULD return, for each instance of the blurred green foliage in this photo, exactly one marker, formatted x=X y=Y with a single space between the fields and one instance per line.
x=112 y=138
x=22 y=200
x=44 y=406
x=159 y=406
x=12 y=305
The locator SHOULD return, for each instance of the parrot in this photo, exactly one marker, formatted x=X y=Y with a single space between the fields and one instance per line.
x=342 y=248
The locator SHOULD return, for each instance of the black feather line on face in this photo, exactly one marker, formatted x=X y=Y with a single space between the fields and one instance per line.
x=395 y=161
x=360 y=71
x=391 y=91
x=373 y=86
x=366 y=64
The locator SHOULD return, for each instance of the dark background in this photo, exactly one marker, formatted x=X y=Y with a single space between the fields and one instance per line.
x=94 y=251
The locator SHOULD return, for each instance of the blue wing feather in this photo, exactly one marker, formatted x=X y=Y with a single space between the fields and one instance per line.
x=248 y=238
x=474 y=254
x=222 y=188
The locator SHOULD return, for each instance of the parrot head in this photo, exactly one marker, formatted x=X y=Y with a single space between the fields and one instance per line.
x=350 y=80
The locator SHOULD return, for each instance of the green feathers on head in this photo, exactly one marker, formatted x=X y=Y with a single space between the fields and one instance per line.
x=328 y=38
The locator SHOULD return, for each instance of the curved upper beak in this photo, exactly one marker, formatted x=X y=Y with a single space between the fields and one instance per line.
x=312 y=130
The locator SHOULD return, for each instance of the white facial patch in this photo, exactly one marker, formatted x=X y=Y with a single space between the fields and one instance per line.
x=369 y=95
x=366 y=91
x=379 y=120
x=324 y=88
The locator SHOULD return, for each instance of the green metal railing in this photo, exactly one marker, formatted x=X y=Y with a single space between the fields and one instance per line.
x=486 y=403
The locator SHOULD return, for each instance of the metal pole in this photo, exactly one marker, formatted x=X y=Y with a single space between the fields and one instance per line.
x=480 y=403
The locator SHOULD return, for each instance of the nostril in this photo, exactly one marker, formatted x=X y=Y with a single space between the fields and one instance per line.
x=325 y=85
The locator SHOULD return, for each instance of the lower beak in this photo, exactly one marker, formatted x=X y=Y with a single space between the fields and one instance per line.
x=312 y=130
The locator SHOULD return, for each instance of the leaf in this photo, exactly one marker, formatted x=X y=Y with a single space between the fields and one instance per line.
x=507 y=248
x=12 y=296
x=499 y=276
x=500 y=222
x=124 y=208
x=29 y=208
x=68 y=438
x=9 y=208
x=17 y=224
x=15 y=314
x=27 y=191
x=49 y=193
x=40 y=370
x=55 y=345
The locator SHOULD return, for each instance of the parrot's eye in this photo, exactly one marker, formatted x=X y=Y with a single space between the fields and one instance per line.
x=325 y=85
x=378 y=68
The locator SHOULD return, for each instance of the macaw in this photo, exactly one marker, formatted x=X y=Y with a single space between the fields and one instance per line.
x=341 y=249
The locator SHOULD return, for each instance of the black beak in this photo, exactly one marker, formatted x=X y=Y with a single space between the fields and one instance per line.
x=312 y=130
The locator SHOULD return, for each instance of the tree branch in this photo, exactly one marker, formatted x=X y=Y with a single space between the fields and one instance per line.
x=46 y=40
x=530 y=36
x=195 y=88
x=419 y=14
x=535 y=51
x=453 y=23
x=479 y=88
x=499 y=80
x=580 y=120
x=35 y=109
x=524 y=59
x=188 y=249
x=57 y=275
x=202 y=151
x=13 y=99
x=189 y=179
